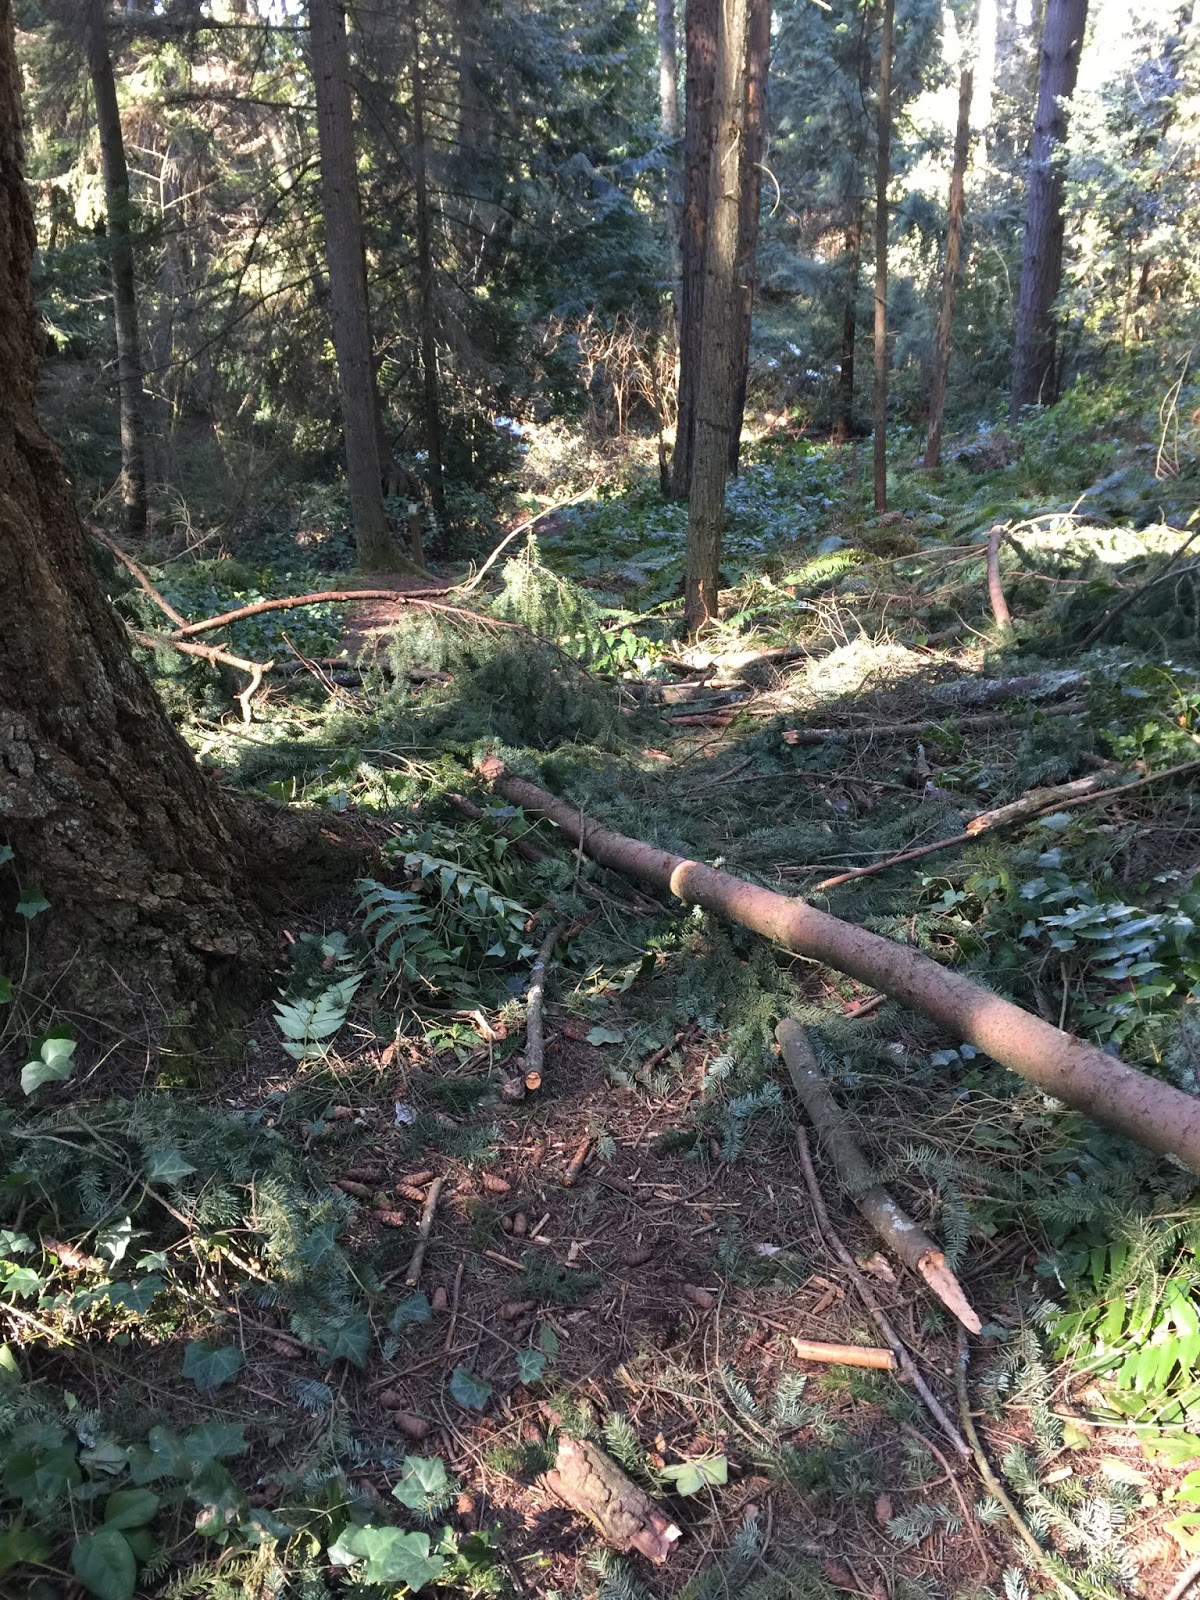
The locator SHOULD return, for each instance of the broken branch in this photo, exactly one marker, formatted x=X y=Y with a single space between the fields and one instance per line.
x=1155 y=1113
x=214 y=655
x=895 y=1227
x=588 y=1481
x=163 y=604
x=413 y=1275
x=995 y=590
x=845 y=1355
x=535 y=1039
x=904 y=730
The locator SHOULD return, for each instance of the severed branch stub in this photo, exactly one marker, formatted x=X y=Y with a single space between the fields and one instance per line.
x=846 y=1355
x=535 y=1037
x=895 y=1227
x=591 y=1483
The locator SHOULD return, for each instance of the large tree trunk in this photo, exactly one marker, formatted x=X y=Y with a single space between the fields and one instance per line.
x=714 y=397
x=155 y=918
x=758 y=56
x=425 y=286
x=883 y=172
x=954 y=228
x=700 y=24
x=668 y=101
x=348 y=286
x=1035 y=379
x=843 y=426
x=119 y=240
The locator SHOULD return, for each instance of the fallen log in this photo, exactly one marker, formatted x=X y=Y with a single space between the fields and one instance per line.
x=588 y=1481
x=1155 y=1114
x=905 y=730
x=895 y=1227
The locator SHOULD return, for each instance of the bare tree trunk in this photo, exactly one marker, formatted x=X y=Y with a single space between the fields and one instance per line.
x=714 y=399
x=954 y=228
x=700 y=21
x=758 y=56
x=852 y=246
x=349 y=310
x=119 y=238
x=425 y=288
x=883 y=172
x=1154 y=1113
x=668 y=100
x=1035 y=379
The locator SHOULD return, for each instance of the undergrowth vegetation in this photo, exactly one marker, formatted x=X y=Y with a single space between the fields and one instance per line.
x=166 y=1254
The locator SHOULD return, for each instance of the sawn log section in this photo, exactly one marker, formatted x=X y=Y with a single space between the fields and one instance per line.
x=1157 y=1115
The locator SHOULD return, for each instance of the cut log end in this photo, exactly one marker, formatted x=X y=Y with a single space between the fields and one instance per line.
x=949 y=1291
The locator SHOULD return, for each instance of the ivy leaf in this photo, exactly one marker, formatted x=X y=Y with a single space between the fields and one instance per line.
x=424 y=1483
x=391 y=1556
x=104 y=1563
x=469 y=1391
x=21 y=1545
x=209 y=1366
x=531 y=1365
x=167 y=1166
x=53 y=1064
x=6 y=990
x=130 y=1508
x=210 y=1441
x=414 y=1309
x=600 y=1035
x=689 y=1477
x=31 y=904
x=348 y=1338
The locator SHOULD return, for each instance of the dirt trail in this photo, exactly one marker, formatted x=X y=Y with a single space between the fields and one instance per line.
x=368 y=619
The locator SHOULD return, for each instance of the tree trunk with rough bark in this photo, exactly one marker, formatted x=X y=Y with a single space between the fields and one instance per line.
x=425 y=286
x=700 y=25
x=668 y=101
x=954 y=228
x=119 y=246
x=156 y=882
x=349 y=310
x=1035 y=376
x=721 y=321
x=883 y=172
x=758 y=57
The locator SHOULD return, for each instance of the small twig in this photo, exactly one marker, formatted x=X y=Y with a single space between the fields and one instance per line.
x=413 y=1275
x=867 y=1295
x=522 y=527
x=992 y=1483
x=575 y=1167
x=313 y=668
x=535 y=1039
x=1183 y=1582
x=163 y=604
x=995 y=590
x=969 y=1520
x=455 y=1292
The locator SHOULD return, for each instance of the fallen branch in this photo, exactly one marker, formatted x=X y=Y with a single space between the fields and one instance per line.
x=522 y=527
x=214 y=655
x=588 y=1481
x=413 y=1275
x=845 y=1355
x=895 y=1227
x=524 y=848
x=535 y=1039
x=1082 y=792
x=905 y=730
x=995 y=590
x=867 y=1295
x=163 y=604
x=1134 y=595
x=1153 y=1112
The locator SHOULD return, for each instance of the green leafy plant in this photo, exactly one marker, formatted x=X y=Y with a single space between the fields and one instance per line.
x=702 y=1472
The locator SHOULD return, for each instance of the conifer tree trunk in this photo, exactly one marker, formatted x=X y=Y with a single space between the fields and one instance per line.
x=700 y=25
x=1035 y=377
x=722 y=322
x=883 y=168
x=668 y=100
x=349 y=310
x=758 y=56
x=425 y=287
x=119 y=244
x=954 y=228
x=852 y=249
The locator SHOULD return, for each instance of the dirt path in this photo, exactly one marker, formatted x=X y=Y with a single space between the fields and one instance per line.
x=368 y=619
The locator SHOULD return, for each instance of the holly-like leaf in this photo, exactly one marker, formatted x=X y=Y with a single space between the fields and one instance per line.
x=600 y=1035
x=424 y=1483
x=390 y=1556
x=348 y=1338
x=469 y=1391
x=209 y=1366
x=130 y=1508
x=104 y=1563
x=689 y=1477
x=53 y=1064
x=531 y=1365
x=414 y=1309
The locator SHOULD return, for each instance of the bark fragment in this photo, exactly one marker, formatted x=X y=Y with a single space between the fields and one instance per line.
x=588 y=1481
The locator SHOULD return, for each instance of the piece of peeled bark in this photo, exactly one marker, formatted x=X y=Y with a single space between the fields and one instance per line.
x=893 y=1225
x=588 y=1481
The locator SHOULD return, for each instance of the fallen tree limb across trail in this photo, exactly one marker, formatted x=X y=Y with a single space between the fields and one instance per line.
x=904 y=1237
x=1155 y=1114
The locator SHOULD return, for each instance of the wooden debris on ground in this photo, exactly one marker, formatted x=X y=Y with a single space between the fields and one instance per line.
x=894 y=1226
x=591 y=1483
x=845 y=1355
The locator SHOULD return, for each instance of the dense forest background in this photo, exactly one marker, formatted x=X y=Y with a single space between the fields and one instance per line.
x=599 y=828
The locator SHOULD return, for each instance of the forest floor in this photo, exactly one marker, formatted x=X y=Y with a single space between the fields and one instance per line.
x=628 y=1253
